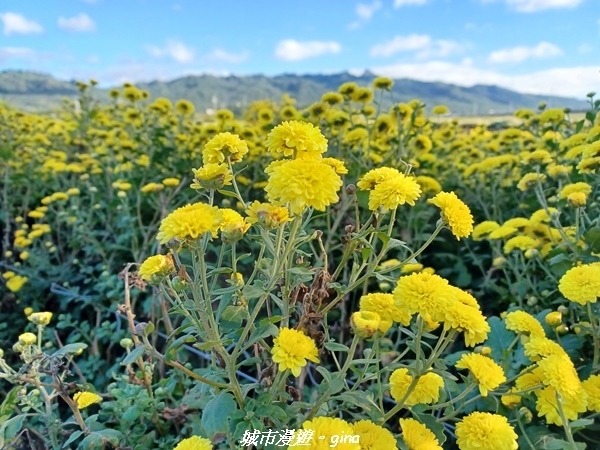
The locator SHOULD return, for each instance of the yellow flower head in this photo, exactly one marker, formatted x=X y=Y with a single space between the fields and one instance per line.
x=592 y=388
x=427 y=389
x=301 y=139
x=539 y=347
x=560 y=373
x=85 y=399
x=302 y=183
x=365 y=323
x=384 y=306
x=581 y=284
x=40 y=318
x=376 y=176
x=224 y=146
x=212 y=176
x=267 y=215
x=337 y=164
x=16 y=282
x=440 y=109
x=152 y=187
x=233 y=226
x=522 y=243
x=481 y=430
x=575 y=187
x=190 y=222
x=194 y=443
x=417 y=436
x=483 y=229
x=465 y=318
x=394 y=191
x=327 y=433
x=423 y=293
x=156 y=267
x=488 y=374
x=373 y=437
x=524 y=323
x=454 y=213
x=530 y=180
x=171 y=182
x=547 y=405
x=27 y=339
x=184 y=107
x=383 y=83
x=292 y=349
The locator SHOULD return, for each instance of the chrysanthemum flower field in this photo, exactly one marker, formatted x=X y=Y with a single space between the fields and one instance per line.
x=346 y=276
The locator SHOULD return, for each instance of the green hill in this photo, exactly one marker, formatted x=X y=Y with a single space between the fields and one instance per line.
x=37 y=92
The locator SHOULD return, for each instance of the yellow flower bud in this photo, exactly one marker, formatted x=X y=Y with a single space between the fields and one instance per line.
x=577 y=199
x=365 y=323
x=553 y=319
x=27 y=339
x=40 y=318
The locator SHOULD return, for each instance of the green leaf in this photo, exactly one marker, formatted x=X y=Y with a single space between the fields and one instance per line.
x=581 y=423
x=8 y=405
x=499 y=339
x=215 y=417
x=336 y=347
x=207 y=345
x=255 y=290
x=10 y=428
x=383 y=237
x=70 y=348
x=262 y=332
x=133 y=355
x=592 y=238
x=234 y=314
x=74 y=436
x=227 y=193
x=99 y=439
x=557 y=444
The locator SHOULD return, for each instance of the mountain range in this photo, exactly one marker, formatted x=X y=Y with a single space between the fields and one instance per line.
x=38 y=92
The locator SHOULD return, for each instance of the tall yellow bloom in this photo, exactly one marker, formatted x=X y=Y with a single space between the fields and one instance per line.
x=454 y=213
x=581 y=284
x=481 y=430
x=488 y=374
x=299 y=139
x=224 y=146
x=190 y=222
x=426 y=390
x=302 y=183
x=417 y=436
x=292 y=349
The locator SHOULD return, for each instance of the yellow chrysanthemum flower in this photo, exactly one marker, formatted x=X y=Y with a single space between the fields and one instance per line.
x=427 y=389
x=365 y=323
x=194 y=443
x=481 y=430
x=299 y=139
x=467 y=319
x=483 y=229
x=454 y=213
x=171 y=182
x=488 y=374
x=233 y=226
x=423 y=293
x=184 y=107
x=40 y=318
x=524 y=323
x=302 y=183
x=15 y=283
x=384 y=83
x=581 y=284
x=560 y=373
x=384 y=306
x=222 y=147
x=393 y=192
x=152 y=187
x=292 y=349
x=575 y=187
x=337 y=164
x=417 y=436
x=592 y=388
x=190 y=222
x=212 y=176
x=27 y=339
x=327 y=433
x=266 y=214
x=374 y=437
x=530 y=180
x=85 y=399
x=547 y=405
x=156 y=267
x=522 y=243
x=429 y=184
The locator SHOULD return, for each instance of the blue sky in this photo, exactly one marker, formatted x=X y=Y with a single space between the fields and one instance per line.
x=535 y=46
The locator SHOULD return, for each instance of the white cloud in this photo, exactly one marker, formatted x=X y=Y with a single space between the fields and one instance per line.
x=366 y=11
x=173 y=49
x=522 y=53
x=80 y=23
x=18 y=24
x=573 y=82
x=584 y=49
x=400 y=3
x=528 y=6
x=292 y=50
x=422 y=44
x=15 y=52
x=224 y=56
